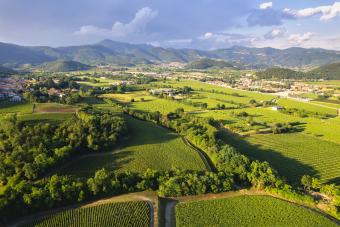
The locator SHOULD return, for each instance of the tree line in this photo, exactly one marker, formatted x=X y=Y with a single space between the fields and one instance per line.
x=28 y=151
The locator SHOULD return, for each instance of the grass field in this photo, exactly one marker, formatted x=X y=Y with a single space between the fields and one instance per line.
x=53 y=118
x=136 y=213
x=328 y=129
x=247 y=211
x=150 y=103
x=22 y=108
x=294 y=155
x=196 y=85
x=53 y=108
x=290 y=103
x=328 y=102
x=148 y=146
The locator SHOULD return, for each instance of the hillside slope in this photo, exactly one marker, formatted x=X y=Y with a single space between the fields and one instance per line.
x=112 y=52
x=207 y=63
x=329 y=72
x=63 y=66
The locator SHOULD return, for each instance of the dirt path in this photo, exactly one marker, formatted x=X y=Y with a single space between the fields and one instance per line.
x=170 y=218
x=207 y=162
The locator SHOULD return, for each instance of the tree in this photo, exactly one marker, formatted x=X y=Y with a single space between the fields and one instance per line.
x=306 y=182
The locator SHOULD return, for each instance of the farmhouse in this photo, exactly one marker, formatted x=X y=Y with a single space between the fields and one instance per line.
x=277 y=108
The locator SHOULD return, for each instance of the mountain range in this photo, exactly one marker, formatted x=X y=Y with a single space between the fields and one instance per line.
x=112 y=52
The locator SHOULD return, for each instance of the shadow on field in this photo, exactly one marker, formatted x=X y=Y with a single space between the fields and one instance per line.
x=87 y=165
x=146 y=133
x=335 y=180
x=289 y=168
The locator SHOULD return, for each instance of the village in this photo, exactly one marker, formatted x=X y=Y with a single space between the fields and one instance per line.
x=281 y=88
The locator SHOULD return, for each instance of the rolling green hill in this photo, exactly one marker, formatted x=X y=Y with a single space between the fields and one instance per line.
x=207 y=63
x=329 y=72
x=112 y=52
x=280 y=73
x=63 y=66
x=5 y=70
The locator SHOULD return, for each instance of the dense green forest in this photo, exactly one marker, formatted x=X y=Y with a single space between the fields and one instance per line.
x=207 y=63
x=326 y=72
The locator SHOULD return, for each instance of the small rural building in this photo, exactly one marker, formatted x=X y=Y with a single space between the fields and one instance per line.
x=167 y=91
x=277 y=108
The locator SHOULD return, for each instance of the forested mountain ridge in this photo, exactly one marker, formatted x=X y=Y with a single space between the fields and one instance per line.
x=327 y=72
x=63 y=66
x=112 y=52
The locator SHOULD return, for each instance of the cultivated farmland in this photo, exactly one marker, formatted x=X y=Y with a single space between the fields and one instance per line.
x=136 y=213
x=148 y=146
x=294 y=155
x=247 y=211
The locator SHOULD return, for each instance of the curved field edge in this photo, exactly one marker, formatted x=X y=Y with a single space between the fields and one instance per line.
x=248 y=210
x=149 y=146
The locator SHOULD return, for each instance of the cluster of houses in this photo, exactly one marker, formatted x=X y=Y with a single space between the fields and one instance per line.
x=10 y=89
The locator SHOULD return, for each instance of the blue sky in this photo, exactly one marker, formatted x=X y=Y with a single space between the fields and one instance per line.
x=201 y=24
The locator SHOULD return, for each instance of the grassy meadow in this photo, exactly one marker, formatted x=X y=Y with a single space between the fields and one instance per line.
x=21 y=108
x=247 y=211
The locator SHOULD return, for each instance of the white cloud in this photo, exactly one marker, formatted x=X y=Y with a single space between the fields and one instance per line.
x=212 y=40
x=275 y=33
x=327 y=12
x=266 y=5
x=136 y=26
x=298 y=39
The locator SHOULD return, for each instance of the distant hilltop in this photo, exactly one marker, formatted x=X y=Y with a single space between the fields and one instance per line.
x=112 y=52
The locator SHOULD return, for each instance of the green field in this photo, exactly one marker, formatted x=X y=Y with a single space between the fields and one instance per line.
x=53 y=108
x=328 y=129
x=53 y=118
x=150 y=103
x=148 y=146
x=197 y=85
x=289 y=103
x=22 y=108
x=294 y=155
x=135 y=213
x=247 y=211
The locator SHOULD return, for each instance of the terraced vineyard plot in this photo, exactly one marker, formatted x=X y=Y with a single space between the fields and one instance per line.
x=247 y=211
x=294 y=155
x=135 y=214
x=148 y=146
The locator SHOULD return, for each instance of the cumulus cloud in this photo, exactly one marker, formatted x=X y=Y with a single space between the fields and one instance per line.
x=298 y=39
x=275 y=33
x=212 y=40
x=136 y=26
x=266 y=5
x=267 y=16
x=327 y=12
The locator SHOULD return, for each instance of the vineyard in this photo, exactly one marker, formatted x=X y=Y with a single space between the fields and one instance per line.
x=135 y=214
x=247 y=211
x=294 y=155
x=148 y=146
